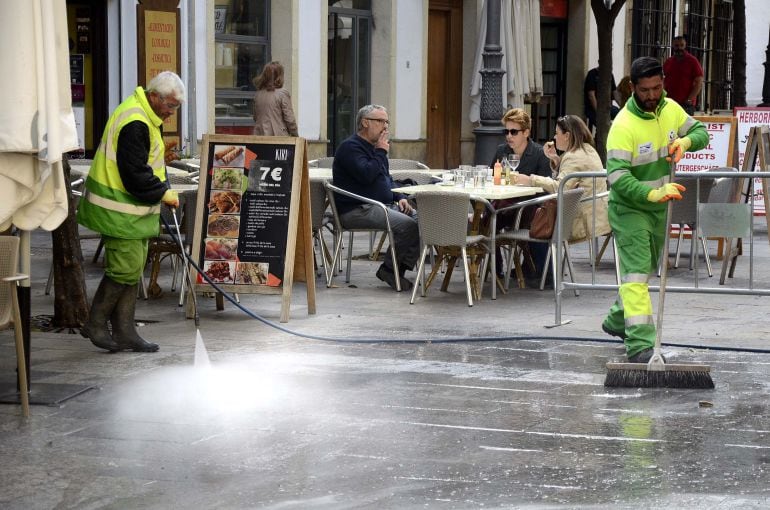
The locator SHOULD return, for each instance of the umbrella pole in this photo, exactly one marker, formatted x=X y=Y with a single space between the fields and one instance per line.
x=24 y=294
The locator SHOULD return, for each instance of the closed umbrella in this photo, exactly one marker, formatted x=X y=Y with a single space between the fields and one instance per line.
x=36 y=126
x=522 y=62
x=36 y=120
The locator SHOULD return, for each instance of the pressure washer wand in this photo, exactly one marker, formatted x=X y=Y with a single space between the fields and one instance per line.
x=186 y=269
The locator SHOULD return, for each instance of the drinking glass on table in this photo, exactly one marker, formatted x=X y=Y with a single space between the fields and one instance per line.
x=513 y=160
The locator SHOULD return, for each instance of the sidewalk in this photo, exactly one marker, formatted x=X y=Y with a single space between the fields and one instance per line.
x=392 y=415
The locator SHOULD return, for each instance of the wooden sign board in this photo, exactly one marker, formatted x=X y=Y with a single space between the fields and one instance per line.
x=253 y=230
x=719 y=152
x=748 y=117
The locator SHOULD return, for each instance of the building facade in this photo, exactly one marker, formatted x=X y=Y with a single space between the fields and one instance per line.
x=416 y=57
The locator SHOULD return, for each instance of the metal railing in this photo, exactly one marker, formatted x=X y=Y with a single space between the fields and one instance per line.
x=708 y=216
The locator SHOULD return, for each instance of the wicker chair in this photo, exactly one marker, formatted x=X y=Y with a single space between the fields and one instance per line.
x=9 y=308
x=406 y=164
x=443 y=221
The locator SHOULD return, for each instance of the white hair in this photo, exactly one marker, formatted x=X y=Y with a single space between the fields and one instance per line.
x=168 y=84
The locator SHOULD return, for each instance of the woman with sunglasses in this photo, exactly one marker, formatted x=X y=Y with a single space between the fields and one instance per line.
x=576 y=145
x=532 y=161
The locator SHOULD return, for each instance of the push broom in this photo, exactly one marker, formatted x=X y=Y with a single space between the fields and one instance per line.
x=656 y=373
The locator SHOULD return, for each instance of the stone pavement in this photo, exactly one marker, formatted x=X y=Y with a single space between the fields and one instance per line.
x=392 y=405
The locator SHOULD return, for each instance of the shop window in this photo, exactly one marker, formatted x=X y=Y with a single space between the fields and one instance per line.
x=242 y=49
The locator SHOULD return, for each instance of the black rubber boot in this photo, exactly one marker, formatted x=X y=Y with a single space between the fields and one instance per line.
x=123 y=325
x=102 y=306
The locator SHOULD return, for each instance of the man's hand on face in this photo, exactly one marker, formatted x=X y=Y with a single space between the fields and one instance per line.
x=404 y=206
x=382 y=141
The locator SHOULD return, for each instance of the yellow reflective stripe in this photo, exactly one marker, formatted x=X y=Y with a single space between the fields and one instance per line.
x=636 y=299
x=121 y=207
x=657 y=183
x=110 y=149
x=619 y=154
x=617 y=174
x=639 y=320
x=635 y=278
x=685 y=128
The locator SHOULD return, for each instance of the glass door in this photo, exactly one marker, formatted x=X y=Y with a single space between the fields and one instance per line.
x=349 y=72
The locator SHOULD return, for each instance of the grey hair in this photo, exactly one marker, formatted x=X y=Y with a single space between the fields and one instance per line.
x=168 y=84
x=364 y=112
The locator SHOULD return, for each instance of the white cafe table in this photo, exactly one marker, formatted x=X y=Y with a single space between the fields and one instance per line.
x=488 y=193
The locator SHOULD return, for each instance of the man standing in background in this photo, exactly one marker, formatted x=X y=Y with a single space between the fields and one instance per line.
x=683 y=75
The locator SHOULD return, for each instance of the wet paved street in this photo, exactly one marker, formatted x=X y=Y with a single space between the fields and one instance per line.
x=281 y=421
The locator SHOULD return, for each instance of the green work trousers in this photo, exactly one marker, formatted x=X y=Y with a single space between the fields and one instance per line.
x=639 y=236
x=125 y=259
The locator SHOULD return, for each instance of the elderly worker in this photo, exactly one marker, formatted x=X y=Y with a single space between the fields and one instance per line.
x=124 y=189
x=650 y=130
x=361 y=167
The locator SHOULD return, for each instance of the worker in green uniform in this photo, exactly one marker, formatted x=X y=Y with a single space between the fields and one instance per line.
x=648 y=133
x=124 y=190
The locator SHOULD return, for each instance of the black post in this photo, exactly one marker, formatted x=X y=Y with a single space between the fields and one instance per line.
x=766 y=83
x=490 y=134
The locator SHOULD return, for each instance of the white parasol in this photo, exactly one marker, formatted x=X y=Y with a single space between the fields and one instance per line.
x=522 y=62
x=36 y=120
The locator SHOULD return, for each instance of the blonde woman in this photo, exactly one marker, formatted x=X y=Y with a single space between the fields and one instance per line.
x=575 y=142
x=273 y=114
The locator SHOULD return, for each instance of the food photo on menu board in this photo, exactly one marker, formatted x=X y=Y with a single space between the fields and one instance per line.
x=229 y=155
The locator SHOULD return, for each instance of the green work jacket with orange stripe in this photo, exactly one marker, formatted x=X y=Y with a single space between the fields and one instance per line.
x=108 y=206
x=637 y=146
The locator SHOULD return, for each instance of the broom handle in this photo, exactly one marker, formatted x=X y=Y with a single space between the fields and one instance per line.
x=664 y=267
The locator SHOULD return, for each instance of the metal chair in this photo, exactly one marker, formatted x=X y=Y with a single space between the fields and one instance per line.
x=321 y=162
x=339 y=229
x=443 y=221
x=319 y=221
x=684 y=213
x=514 y=239
x=10 y=315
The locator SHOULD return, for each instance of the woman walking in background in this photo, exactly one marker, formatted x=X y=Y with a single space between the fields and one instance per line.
x=273 y=114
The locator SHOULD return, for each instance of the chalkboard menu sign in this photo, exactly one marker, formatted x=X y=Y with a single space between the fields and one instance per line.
x=252 y=211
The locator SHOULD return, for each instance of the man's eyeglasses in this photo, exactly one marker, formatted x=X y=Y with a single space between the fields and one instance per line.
x=171 y=106
x=386 y=122
x=512 y=132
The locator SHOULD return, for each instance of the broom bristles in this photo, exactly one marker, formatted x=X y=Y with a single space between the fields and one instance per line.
x=642 y=378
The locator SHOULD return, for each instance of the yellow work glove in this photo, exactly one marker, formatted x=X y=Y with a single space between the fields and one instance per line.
x=677 y=148
x=666 y=192
x=170 y=198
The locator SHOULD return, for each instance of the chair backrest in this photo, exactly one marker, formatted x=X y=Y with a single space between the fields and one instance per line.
x=725 y=189
x=317 y=203
x=9 y=262
x=685 y=211
x=406 y=164
x=443 y=217
x=188 y=205
x=569 y=210
x=181 y=178
x=321 y=163
x=420 y=177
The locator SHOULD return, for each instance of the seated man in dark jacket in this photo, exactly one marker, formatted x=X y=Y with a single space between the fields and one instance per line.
x=361 y=167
